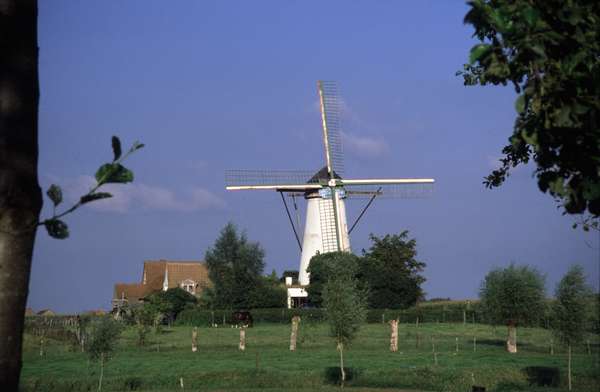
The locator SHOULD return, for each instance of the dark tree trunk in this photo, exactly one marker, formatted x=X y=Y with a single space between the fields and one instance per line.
x=20 y=195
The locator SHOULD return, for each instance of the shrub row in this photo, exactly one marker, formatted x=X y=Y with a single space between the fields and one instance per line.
x=428 y=312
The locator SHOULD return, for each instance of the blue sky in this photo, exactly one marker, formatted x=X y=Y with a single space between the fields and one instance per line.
x=216 y=85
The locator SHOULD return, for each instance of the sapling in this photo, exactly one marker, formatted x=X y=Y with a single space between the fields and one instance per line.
x=345 y=303
x=570 y=311
x=104 y=337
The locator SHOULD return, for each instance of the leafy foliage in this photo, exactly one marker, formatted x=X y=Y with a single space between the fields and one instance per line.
x=571 y=309
x=94 y=196
x=57 y=228
x=235 y=266
x=513 y=295
x=344 y=302
x=321 y=269
x=392 y=272
x=55 y=194
x=112 y=172
x=388 y=273
x=549 y=51
x=169 y=303
x=104 y=337
x=268 y=293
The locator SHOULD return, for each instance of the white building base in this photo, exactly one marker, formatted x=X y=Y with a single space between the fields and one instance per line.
x=296 y=297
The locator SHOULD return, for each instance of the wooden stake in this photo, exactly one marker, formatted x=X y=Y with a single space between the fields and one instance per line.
x=456 y=345
x=242 y=345
x=569 y=368
x=195 y=339
x=294 y=334
x=394 y=336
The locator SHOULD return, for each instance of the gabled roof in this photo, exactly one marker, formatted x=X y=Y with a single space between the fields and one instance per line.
x=153 y=278
x=181 y=270
x=177 y=271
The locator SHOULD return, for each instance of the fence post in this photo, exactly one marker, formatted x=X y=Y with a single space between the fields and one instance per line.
x=394 y=336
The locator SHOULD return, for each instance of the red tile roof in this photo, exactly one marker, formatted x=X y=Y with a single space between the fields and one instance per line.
x=153 y=277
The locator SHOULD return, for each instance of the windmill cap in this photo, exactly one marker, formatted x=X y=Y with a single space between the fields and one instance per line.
x=322 y=175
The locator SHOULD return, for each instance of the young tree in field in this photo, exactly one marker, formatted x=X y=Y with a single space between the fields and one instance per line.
x=571 y=311
x=235 y=267
x=321 y=269
x=105 y=335
x=548 y=51
x=391 y=271
x=345 y=304
x=512 y=296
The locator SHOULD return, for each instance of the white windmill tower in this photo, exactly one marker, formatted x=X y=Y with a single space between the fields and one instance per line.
x=325 y=228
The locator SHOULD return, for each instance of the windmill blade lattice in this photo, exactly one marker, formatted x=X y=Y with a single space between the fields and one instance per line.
x=267 y=177
x=331 y=116
x=389 y=191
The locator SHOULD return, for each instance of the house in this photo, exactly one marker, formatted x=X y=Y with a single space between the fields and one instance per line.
x=161 y=275
x=46 y=313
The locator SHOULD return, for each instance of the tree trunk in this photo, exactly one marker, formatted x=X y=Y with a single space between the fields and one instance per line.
x=569 y=367
x=394 y=336
x=20 y=195
x=101 y=371
x=511 y=342
x=195 y=339
x=294 y=335
x=242 y=339
x=340 y=347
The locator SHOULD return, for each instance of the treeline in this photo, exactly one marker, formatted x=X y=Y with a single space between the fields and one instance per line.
x=389 y=274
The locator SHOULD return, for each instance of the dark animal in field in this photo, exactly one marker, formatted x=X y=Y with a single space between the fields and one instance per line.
x=242 y=318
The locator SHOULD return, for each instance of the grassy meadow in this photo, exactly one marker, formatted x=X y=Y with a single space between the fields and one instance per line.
x=267 y=363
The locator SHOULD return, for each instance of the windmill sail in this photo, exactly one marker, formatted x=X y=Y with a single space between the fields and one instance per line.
x=330 y=117
x=280 y=180
x=388 y=191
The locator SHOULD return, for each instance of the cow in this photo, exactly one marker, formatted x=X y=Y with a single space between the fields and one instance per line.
x=242 y=318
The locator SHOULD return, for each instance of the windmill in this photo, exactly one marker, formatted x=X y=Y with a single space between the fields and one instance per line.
x=326 y=229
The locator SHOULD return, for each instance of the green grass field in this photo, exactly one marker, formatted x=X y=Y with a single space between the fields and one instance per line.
x=267 y=362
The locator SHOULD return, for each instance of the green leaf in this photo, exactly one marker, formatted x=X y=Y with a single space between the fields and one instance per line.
x=115 y=173
x=94 y=196
x=478 y=51
x=57 y=228
x=138 y=145
x=520 y=104
x=531 y=16
x=116 y=146
x=55 y=194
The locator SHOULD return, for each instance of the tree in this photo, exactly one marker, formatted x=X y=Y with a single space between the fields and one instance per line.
x=268 y=293
x=391 y=271
x=20 y=193
x=168 y=304
x=549 y=51
x=513 y=295
x=321 y=269
x=570 y=310
x=235 y=267
x=345 y=303
x=105 y=335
